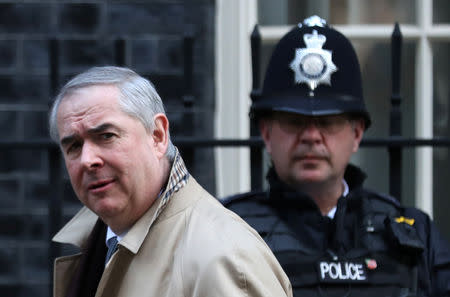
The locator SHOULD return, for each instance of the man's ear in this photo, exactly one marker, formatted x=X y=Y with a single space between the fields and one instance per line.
x=358 y=129
x=160 y=134
x=265 y=128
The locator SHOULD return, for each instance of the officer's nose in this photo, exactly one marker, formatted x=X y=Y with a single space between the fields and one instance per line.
x=91 y=156
x=310 y=134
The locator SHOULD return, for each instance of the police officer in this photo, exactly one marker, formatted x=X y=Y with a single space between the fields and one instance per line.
x=332 y=236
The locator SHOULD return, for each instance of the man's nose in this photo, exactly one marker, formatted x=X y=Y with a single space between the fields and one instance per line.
x=90 y=156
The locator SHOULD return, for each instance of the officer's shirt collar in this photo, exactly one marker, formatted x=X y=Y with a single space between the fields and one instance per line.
x=332 y=212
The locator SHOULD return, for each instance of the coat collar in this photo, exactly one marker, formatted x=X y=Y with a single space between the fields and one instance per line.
x=77 y=230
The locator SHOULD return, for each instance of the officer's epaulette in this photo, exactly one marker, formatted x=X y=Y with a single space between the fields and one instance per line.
x=242 y=197
x=384 y=197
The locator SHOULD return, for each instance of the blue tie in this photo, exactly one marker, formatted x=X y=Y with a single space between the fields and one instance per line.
x=112 y=248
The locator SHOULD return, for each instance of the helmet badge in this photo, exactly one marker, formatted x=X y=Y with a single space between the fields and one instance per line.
x=313 y=65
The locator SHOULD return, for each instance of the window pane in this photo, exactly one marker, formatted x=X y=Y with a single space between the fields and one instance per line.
x=375 y=62
x=372 y=12
x=441 y=128
x=284 y=12
x=441 y=11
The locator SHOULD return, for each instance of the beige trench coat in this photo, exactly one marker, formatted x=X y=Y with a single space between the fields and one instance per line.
x=195 y=247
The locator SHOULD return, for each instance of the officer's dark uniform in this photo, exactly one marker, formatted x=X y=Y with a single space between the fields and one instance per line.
x=373 y=246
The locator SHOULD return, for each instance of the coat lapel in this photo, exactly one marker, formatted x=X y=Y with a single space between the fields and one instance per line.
x=87 y=276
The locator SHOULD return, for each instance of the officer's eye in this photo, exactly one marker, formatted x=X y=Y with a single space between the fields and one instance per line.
x=332 y=121
x=293 y=121
x=325 y=122
x=297 y=122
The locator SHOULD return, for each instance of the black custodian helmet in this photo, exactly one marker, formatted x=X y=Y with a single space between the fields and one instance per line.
x=313 y=71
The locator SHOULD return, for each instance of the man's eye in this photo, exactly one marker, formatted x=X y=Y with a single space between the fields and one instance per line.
x=107 y=136
x=73 y=147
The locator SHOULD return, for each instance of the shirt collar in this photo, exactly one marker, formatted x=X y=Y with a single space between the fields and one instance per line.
x=110 y=234
x=332 y=212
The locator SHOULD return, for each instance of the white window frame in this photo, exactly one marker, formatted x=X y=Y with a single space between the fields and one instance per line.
x=235 y=21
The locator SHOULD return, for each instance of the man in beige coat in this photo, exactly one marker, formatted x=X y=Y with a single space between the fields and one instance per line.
x=147 y=228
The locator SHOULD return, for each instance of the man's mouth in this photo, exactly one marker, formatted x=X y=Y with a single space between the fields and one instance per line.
x=100 y=184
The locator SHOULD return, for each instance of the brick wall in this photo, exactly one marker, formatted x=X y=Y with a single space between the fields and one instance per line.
x=153 y=33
